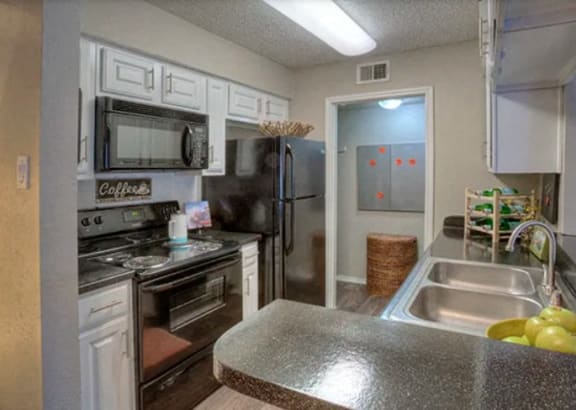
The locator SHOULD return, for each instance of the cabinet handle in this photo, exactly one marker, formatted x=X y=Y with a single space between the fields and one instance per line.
x=247 y=283
x=211 y=154
x=259 y=105
x=267 y=107
x=170 y=83
x=126 y=351
x=108 y=306
x=151 y=79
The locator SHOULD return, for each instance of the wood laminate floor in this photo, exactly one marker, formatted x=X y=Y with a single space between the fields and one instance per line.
x=350 y=297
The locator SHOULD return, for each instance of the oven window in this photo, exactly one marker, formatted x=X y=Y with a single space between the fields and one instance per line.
x=195 y=302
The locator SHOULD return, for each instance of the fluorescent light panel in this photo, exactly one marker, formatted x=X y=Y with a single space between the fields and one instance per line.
x=390 y=104
x=327 y=21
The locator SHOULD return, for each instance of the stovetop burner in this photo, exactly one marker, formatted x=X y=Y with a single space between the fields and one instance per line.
x=146 y=262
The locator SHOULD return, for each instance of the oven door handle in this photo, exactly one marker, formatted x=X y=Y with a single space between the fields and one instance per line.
x=179 y=282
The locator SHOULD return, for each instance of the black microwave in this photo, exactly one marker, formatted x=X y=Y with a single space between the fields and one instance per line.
x=134 y=136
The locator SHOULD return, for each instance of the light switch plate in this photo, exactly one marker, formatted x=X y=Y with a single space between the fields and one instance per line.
x=23 y=172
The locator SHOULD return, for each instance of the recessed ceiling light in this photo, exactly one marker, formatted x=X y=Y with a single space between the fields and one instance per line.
x=327 y=21
x=390 y=104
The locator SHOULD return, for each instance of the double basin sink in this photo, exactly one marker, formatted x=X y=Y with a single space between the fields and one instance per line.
x=466 y=297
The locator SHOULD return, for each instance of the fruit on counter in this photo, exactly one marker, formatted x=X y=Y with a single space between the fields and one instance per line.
x=519 y=340
x=557 y=339
x=533 y=326
x=560 y=317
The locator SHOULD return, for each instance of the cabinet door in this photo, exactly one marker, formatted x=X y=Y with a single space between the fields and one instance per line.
x=250 y=290
x=244 y=103
x=275 y=109
x=107 y=367
x=217 y=98
x=127 y=74
x=86 y=108
x=183 y=88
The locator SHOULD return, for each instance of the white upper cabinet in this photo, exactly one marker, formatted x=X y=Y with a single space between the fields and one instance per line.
x=247 y=104
x=526 y=129
x=128 y=74
x=217 y=99
x=183 y=88
x=275 y=109
x=244 y=102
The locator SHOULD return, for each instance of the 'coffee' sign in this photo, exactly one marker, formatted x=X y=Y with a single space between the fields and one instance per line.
x=119 y=190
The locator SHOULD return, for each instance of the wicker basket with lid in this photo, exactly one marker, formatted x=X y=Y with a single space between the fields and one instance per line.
x=389 y=260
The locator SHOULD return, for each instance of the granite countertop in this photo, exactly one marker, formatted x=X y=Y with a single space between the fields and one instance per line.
x=94 y=275
x=300 y=356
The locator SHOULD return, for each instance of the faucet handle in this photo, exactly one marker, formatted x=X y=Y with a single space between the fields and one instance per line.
x=555 y=298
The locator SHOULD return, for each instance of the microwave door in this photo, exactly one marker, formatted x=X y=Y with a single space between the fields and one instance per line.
x=166 y=144
x=129 y=141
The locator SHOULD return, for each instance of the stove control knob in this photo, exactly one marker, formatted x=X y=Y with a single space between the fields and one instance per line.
x=98 y=220
x=85 y=222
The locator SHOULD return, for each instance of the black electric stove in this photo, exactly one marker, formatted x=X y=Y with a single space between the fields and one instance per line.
x=136 y=238
x=185 y=297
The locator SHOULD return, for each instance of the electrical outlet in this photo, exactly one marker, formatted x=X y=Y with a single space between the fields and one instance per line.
x=23 y=172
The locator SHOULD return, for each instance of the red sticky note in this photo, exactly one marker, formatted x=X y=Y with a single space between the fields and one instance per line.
x=382 y=150
x=412 y=162
x=399 y=162
x=380 y=195
x=372 y=162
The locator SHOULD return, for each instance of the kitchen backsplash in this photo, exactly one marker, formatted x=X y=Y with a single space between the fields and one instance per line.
x=180 y=186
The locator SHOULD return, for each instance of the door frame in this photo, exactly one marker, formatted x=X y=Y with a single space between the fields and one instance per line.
x=331 y=139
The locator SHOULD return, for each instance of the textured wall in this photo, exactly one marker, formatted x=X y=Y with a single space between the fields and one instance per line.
x=20 y=79
x=459 y=113
x=140 y=25
x=361 y=125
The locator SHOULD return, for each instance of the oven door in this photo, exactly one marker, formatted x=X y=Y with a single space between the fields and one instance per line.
x=140 y=142
x=180 y=314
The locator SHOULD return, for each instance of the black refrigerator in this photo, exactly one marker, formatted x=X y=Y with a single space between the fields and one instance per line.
x=275 y=187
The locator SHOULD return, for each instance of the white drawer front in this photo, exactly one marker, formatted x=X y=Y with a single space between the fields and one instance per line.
x=102 y=306
x=250 y=249
x=249 y=260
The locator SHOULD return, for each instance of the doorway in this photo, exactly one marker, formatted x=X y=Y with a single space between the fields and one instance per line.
x=379 y=178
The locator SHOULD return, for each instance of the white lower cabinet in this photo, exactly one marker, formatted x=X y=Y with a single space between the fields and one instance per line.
x=106 y=349
x=249 y=279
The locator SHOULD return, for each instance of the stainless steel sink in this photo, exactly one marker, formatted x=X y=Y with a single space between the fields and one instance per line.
x=482 y=278
x=465 y=297
x=467 y=309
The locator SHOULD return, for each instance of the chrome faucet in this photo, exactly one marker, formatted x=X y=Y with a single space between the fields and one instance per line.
x=549 y=280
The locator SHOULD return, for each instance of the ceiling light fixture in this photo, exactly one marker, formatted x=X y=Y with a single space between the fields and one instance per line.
x=391 y=104
x=327 y=21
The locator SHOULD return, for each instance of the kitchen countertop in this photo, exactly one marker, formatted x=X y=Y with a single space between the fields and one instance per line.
x=94 y=275
x=300 y=356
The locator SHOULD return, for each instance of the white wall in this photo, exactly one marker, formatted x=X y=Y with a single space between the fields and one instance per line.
x=567 y=205
x=459 y=118
x=371 y=125
x=38 y=266
x=140 y=25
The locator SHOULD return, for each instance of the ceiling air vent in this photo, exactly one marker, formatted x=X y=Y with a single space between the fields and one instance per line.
x=372 y=72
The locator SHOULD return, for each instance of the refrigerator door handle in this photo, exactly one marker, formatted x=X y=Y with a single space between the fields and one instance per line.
x=289 y=245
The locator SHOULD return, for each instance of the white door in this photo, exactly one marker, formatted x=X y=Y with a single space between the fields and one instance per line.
x=217 y=98
x=183 y=88
x=275 y=109
x=244 y=103
x=106 y=367
x=127 y=74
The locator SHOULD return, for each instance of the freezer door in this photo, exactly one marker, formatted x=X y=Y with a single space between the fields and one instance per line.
x=304 y=273
x=302 y=171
